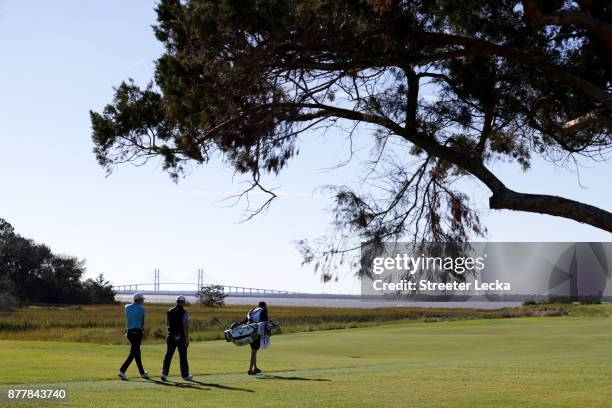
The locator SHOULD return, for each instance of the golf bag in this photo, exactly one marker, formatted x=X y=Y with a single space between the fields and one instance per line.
x=247 y=333
x=242 y=334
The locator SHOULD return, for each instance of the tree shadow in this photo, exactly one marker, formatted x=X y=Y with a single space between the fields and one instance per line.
x=280 y=377
x=221 y=386
x=177 y=384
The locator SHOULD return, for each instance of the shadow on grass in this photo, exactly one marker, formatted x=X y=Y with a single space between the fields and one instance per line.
x=280 y=377
x=222 y=387
x=178 y=384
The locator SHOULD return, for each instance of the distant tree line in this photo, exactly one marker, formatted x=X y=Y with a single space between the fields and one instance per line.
x=32 y=273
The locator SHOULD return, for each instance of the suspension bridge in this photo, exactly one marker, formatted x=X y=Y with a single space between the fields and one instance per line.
x=190 y=288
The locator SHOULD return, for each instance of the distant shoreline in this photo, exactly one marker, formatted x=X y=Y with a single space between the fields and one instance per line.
x=335 y=303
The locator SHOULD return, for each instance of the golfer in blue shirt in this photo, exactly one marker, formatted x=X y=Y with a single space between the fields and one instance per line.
x=134 y=317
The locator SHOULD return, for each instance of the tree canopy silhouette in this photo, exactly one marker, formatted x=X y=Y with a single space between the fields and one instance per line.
x=31 y=272
x=446 y=88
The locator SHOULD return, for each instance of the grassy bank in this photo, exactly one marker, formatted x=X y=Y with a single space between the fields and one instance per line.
x=523 y=362
x=104 y=324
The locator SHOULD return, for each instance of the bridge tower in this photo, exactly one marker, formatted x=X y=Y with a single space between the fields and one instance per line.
x=200 y=278
x=156 y=281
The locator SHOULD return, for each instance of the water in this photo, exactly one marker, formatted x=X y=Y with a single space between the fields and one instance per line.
x=330 y=302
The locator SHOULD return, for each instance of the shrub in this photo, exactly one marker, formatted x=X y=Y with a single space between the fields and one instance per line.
x=98 y=291
x=211 y=296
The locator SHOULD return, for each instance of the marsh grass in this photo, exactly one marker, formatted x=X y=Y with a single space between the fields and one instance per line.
x=104 y=324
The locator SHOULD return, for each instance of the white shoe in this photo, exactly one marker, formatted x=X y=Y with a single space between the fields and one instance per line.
x=164 y=377
x=188 y=378
x=123 y=376
x=145 y=375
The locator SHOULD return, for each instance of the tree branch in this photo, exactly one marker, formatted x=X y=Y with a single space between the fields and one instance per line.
x=576 y=18
x=518 y=56
x=552 y=205
x=503 y=197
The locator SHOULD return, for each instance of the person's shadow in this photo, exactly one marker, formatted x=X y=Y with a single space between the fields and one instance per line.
x=177 y=384
x=220 y=386
x=292 y=378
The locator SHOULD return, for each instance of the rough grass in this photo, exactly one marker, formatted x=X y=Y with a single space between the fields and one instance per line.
x=524 y=362
x=104 y=324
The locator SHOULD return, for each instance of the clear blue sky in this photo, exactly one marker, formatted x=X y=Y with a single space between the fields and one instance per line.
x=61 y=59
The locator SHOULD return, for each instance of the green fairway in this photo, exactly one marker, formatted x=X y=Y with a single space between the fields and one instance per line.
x=528 y=362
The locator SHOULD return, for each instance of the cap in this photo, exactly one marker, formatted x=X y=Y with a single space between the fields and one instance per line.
x=138 y=296
x=180 y=298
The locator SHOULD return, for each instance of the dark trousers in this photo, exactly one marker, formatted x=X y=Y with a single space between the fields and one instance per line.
x=174 y=342
x=135 y=338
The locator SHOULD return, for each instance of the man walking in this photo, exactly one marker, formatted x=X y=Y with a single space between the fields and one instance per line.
x=134 y=317
x=257 y=315
x=178 y=337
